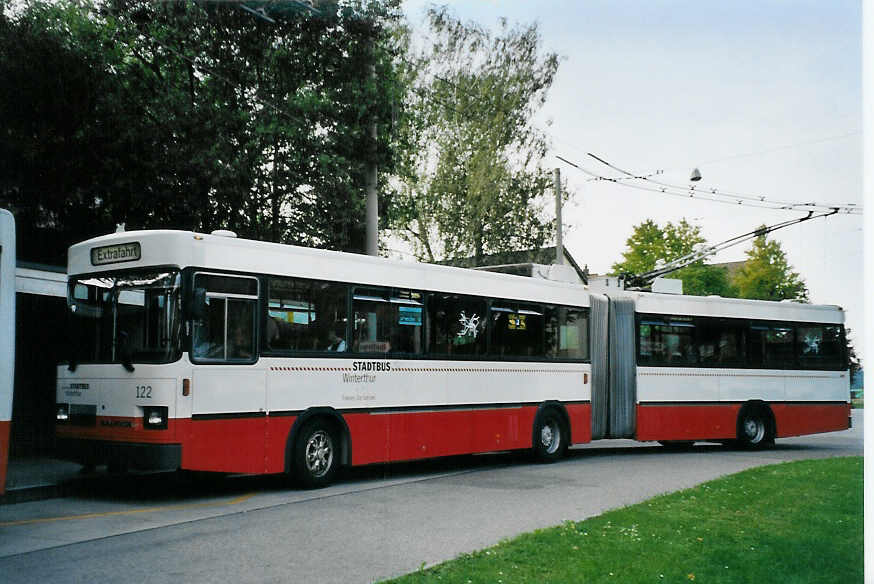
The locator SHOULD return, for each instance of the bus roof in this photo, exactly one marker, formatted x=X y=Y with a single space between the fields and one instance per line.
x=150 y=248
x=647 y=302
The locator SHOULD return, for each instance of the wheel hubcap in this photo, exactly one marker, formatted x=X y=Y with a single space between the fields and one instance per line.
x=550 y=437
x=319 y=453
x=754 y=429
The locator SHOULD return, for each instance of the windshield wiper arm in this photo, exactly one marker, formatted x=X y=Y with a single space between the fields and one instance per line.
x=124 y=352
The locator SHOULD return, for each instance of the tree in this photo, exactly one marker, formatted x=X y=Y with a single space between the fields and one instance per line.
x=651 y=245
x=767 y=275
x=852 y=358
x=193 y=115
x=474 y=181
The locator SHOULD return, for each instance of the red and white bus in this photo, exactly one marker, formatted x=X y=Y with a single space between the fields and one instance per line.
x=210 y=352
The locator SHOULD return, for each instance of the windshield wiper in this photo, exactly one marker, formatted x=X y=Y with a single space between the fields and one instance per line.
x=125 y=355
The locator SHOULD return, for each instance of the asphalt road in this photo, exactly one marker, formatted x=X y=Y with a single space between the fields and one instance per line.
x=378 y=522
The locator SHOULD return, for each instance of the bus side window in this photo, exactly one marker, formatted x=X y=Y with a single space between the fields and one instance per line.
x=456 y=325
x=516 y=329
x=241 y=330
x=567 y=331
x=305 y=315
x=779 y=351
x=770 y=346
x=820 y=347
x=209 y=330
x=387 y=321
x=225 y=329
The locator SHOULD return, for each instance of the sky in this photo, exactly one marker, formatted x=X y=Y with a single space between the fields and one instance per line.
x=764 y=97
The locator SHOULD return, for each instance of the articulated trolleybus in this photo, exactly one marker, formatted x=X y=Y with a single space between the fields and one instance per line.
x=214 y=353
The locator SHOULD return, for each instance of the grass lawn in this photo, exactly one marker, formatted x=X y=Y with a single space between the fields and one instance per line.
x=792 y=522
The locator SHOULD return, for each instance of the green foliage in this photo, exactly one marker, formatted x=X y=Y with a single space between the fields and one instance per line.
x=194 y=115
x=651 y=245
x=767 y=275
x=747 y=527
x=701 y=279
x=474 y=180
x=852 y=357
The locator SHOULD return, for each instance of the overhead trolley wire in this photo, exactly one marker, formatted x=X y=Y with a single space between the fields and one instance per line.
x=736 y=197
x=711 y=194
x=793 y=146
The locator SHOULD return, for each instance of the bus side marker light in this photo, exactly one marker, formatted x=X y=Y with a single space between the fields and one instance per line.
x=585 y=378
x=186 y=387
x=63 y=414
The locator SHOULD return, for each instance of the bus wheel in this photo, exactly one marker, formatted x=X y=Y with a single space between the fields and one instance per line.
x=754 y=428
x=550 y=437
x=316 y=454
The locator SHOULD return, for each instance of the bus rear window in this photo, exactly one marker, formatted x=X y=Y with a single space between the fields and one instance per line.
x=820 y=347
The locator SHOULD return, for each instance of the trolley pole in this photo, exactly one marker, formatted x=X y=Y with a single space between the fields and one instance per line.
x=559 y=243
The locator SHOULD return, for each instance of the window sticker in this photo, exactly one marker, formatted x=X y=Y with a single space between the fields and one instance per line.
x=410 y=315
x=301 y=317
x=468 y=325
x=812 y=340
x=516 y=322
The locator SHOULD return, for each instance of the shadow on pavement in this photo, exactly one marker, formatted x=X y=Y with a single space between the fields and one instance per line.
x=159 y=488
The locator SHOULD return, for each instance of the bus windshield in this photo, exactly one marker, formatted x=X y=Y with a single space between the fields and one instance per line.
x=126 y=317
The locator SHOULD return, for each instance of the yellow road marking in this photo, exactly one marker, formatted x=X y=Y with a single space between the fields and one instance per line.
x=235 y=501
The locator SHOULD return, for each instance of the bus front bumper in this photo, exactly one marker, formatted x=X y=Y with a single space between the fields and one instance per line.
x=166 y=457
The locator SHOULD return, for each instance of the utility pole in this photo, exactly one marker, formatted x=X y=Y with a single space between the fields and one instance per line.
x=372 y=199
x=559 y=243
x=370 y=180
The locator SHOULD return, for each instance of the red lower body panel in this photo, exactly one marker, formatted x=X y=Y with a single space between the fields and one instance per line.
x=797 y=419
x=4 y=452
x=581 y=422
x=397 y=436
x=686 y=422
x=258 y=444
x=225 y=444
x=719 y=421
x=392 y=437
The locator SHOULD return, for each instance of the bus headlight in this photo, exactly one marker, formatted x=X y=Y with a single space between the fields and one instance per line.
x=155 y=417
x=62 y=413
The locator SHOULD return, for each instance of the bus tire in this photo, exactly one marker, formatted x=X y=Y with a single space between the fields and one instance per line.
x=551 y=436
x=755 y=427
x=316 y=456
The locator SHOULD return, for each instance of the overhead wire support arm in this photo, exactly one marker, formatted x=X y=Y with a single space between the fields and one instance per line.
x=644 y=279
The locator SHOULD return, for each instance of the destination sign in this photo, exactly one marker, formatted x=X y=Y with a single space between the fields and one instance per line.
x=111 y=254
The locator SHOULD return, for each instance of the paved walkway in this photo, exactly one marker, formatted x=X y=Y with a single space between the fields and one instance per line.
x=29 y=479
